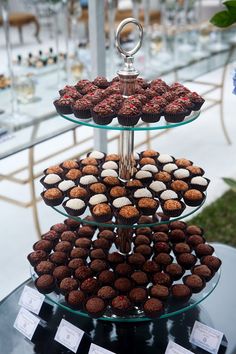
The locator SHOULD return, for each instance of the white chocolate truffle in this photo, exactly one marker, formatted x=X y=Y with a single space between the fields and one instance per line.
x=150 y=168
x=143 y=174
x=142 y=193
x=169 y=167
x=88 y=179
x=97 y=155
x=110 y=165
x=181 y=173
x=168 y=194
x=199 y=180
x=120 y=202
x=65 y=185
x=52 y=178
x=157 y=186
x=97 y=199
x=165 y=158
x=109 y=172
x=75 y=204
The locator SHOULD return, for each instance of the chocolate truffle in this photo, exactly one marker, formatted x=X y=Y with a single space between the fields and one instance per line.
x=142 y=240
x=181 y=247
x=162 y=278
x=153 y=307
x=102 y=212
x=195 y=240
x=45 y=283
x=121 y=305
x=86 y=231
x=67 y=285
x=123 y=269
x=116 y=258
x=160 y=237
x=123 y=284
x=61 y=272
x=83 y=272
x=203 y=249
x=44 y=245
x=98 y=265
x=44 y=267
x=58 y=258
x=177 y=225
x=75 y=299
x=75 y=263
x=194 y=282
x=203 y=271
x=95 y=306
x=63 y=246
x=212 y=262
x=98 y=253
x=151 y=267
x=145 y=250
x=177 y=235
x=83 y=242
x=79 y=252
x=162 y=247
x=163 y=259
x=68 y=236
x=107 y=277
x=140 y=278
x=136 y=260
x=175 y=271
x=138 y=295
x=37 y=256
x=194 y=230
x=107 y=293
x=181 y=292
x=186 y=260
x=89 y=285
x=160 y=292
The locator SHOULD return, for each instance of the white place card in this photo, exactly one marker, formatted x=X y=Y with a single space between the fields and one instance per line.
x=206 y=337
x=31 y=300
x=26 y=323
x=69 y=335
x=173 y=348
x=95 y=349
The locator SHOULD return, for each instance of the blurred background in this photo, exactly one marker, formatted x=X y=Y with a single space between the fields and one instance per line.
x=45 y=45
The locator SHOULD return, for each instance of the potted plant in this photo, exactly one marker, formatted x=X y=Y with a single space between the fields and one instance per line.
x=225 y=19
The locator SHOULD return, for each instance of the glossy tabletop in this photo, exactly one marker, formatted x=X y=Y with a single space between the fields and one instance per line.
x=217 y=311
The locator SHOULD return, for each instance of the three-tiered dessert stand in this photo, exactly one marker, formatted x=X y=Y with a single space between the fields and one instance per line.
x=127 y=76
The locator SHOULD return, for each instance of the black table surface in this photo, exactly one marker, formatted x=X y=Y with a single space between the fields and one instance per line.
x=217 y=311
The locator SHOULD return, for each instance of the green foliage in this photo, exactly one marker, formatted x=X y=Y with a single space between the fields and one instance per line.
x=231 y=183
x=227 y=17
x=219 y=220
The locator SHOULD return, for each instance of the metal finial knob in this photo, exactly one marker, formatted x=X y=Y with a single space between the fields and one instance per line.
x=128 y=53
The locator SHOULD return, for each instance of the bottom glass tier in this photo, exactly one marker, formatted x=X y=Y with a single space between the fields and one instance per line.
x=172 y=307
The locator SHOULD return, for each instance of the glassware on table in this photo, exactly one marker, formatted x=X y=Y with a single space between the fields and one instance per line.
x=10 y=119
x=24 y=88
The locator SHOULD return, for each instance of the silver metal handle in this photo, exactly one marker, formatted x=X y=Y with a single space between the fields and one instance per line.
x=123 y=23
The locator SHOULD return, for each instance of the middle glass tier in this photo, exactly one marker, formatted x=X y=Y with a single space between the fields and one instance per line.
x=187 y=212
x=114 y=125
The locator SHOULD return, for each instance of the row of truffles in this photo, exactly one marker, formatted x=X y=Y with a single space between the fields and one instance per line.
x=169 y=263
x=160 y=182
x=103 y=101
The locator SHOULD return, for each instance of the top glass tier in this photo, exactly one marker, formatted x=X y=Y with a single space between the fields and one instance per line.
x=114 y=125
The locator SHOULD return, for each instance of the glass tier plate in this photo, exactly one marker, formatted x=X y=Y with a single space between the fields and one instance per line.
x=187 y=212
x=172 y=307
x=114 y=125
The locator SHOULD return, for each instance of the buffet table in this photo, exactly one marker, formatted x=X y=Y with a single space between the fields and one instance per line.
x=217 y=311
